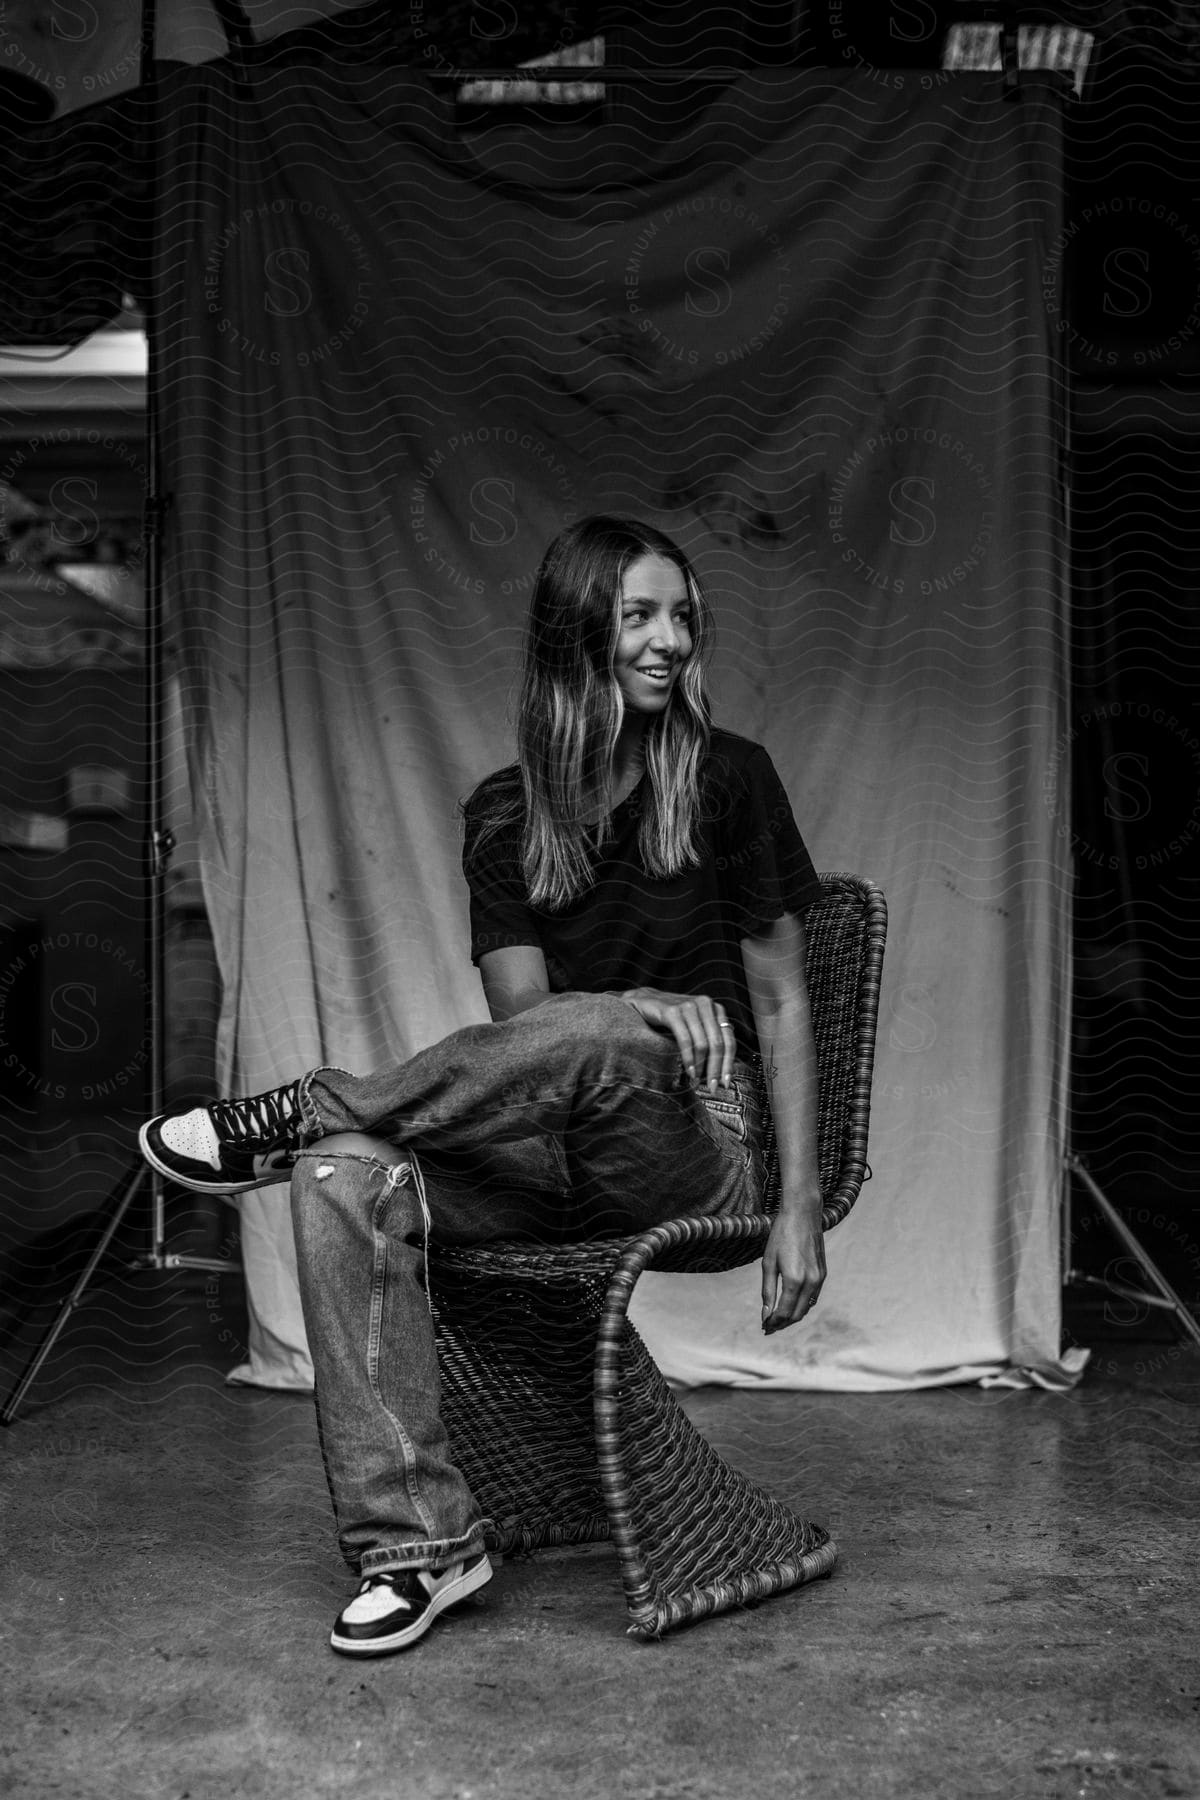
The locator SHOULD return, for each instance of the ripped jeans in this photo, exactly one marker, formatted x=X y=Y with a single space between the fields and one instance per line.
x=571 y=1120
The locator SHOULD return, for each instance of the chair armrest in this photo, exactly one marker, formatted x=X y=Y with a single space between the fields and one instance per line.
x=690 y=1246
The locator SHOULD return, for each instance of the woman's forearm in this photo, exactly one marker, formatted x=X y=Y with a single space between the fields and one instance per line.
x=789 y=1056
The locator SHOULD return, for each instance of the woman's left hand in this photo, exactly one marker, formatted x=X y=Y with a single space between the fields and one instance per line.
x=793 y=1267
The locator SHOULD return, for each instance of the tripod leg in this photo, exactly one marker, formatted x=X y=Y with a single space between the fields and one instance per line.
x=29 y=1374
x=1140 y=1255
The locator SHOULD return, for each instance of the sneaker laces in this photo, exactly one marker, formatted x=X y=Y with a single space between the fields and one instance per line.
x=389 y=1577
x=270 y=1118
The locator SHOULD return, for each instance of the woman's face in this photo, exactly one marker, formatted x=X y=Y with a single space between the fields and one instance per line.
x=656 y=634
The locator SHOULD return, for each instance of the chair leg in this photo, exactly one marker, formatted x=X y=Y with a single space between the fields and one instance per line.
x=694 y=1536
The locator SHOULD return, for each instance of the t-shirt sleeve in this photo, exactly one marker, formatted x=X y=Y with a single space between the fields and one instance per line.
x=764 y=864
x=500 y=917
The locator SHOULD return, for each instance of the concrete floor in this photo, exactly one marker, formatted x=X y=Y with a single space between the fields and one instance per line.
x=1013 y=1614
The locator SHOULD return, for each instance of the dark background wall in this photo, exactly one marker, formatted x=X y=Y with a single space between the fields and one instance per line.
x=74 y=972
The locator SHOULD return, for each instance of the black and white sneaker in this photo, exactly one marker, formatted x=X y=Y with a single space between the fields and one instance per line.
x=392 y=1610
x=229 y=1146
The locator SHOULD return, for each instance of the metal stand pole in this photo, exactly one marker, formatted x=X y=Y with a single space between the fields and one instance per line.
x=160 y=840
x=1165 y=1297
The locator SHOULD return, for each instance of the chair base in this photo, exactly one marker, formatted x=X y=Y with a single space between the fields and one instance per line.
x=695 y=1536
x=556 y=1455
x=724 y=1596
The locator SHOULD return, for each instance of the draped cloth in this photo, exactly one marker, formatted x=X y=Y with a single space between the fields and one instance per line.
x=806 y=338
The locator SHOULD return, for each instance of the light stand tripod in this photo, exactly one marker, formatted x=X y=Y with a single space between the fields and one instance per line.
x=1165 y=1297
x=160 y=840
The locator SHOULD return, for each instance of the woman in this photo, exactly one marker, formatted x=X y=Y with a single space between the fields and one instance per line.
x=636 y=884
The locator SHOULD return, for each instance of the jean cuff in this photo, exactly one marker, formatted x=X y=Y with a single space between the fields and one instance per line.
x=431 y=1553
x=309 y=1115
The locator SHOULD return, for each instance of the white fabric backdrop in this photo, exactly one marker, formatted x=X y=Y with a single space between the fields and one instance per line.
x=809 y=342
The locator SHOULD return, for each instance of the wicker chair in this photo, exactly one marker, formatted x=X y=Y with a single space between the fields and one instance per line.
x=557 y=1414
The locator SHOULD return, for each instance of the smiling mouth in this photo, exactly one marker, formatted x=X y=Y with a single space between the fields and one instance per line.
x=661 y=676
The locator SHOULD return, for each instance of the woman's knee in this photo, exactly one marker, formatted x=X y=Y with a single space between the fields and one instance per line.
x=616 y=1033
x=344 y=1152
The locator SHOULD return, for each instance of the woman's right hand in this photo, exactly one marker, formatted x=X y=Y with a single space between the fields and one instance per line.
x=700 y=1027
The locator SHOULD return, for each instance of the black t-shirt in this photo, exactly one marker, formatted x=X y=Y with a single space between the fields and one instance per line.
x=631 y=929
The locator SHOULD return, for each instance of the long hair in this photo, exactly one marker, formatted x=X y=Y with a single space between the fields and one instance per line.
x=571 y=708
